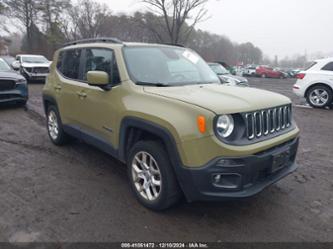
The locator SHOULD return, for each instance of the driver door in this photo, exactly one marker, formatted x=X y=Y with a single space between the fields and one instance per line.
x=100 y=106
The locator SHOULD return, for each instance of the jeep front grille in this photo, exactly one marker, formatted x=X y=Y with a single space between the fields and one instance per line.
x=269 y=121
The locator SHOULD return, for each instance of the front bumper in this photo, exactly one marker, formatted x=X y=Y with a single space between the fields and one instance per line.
x=240 y=177
x=34 y=76
x=19 y=93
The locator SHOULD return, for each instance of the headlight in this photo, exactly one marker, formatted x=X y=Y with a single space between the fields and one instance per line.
x=225 y=126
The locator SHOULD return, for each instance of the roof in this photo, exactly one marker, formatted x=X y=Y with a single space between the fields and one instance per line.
x=113 y=42
x=31 y=55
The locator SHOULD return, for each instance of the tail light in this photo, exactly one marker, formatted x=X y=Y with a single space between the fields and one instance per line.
x=300 y=76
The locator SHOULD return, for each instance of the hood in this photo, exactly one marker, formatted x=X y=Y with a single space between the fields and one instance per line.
x=222 y=99
x=11 y=75
x=24 y=64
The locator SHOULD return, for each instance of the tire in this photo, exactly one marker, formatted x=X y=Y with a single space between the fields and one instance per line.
x=263 y=76
x=154 y=183
x=54 y=127
x=319 y=96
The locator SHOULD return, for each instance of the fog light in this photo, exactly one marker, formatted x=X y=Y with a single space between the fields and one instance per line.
x=227 y=180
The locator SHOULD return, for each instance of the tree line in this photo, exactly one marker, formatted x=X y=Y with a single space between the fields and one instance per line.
x=48 y=24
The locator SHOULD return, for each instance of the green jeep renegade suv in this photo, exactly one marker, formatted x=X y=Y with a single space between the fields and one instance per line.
x=161 y=110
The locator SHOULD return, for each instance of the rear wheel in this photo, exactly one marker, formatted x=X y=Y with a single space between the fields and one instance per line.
x=151 y=176
x=263 y=76
x=54 y=127
x=319 y=96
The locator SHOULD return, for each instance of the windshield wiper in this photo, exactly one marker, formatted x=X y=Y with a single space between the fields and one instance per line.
x=143 y=83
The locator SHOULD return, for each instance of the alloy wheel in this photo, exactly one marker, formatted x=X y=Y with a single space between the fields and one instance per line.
x=319 y=97
x=146 y=176
x=53 y=125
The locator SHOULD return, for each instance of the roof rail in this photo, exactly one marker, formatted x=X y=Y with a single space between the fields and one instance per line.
x=91 y=40
x=172 y=44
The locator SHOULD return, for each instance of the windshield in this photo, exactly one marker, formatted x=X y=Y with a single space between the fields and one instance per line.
x=4 y=66
x=218 y=69
x=167 y=66
x=34 y=59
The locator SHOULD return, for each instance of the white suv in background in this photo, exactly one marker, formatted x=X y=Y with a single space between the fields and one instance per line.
x=32 y=67
x=316 y=83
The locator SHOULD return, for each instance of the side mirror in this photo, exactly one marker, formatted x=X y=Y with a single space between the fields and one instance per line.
x=98 y=78
x=16 y=65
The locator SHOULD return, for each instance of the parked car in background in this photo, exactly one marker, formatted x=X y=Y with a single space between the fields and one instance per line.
x=226 y=77
x=13 y=86
x=316 y=83
x=250 y=70
x=268 y=72
x=239 y=70
x=9 y=60
x=227 y=67
x=32 y=67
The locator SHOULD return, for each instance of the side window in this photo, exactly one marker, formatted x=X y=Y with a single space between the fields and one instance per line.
x=71 y=64
x=99 y=59
x=60 y=61
x=328 y=67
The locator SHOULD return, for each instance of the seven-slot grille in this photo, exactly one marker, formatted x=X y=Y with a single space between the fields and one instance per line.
x=7 y=84
x=268 y=121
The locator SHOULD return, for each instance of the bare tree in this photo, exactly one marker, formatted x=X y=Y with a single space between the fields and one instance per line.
x=2 y=8
x=51 y=16
x=51 y=11
x=25 y=12
x=87 y=18
x=175 y=14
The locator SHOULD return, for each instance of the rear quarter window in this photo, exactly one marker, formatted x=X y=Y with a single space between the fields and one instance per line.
x=310 y=66
x=70 y=63
x=328 y=67
x=60 y=61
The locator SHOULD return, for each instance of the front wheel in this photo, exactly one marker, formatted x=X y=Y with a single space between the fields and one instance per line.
x=263 y=76
x=319 y=96
x=151 y=176
x=54 y=127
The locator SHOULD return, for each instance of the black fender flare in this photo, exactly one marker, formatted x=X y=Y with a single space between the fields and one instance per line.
x=50 y=99
x=183 y=175
x=153 y=128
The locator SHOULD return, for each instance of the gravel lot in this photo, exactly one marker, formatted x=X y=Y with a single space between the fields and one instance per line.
x=77 y=193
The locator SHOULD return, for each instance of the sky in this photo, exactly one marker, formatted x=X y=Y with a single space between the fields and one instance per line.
x=278 y=27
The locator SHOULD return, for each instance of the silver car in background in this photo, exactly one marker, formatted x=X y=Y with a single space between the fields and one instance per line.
x=32 y=67
x=226 y=77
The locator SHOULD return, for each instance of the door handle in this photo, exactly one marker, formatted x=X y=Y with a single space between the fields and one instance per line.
x=82 y=94
x=57 y=88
